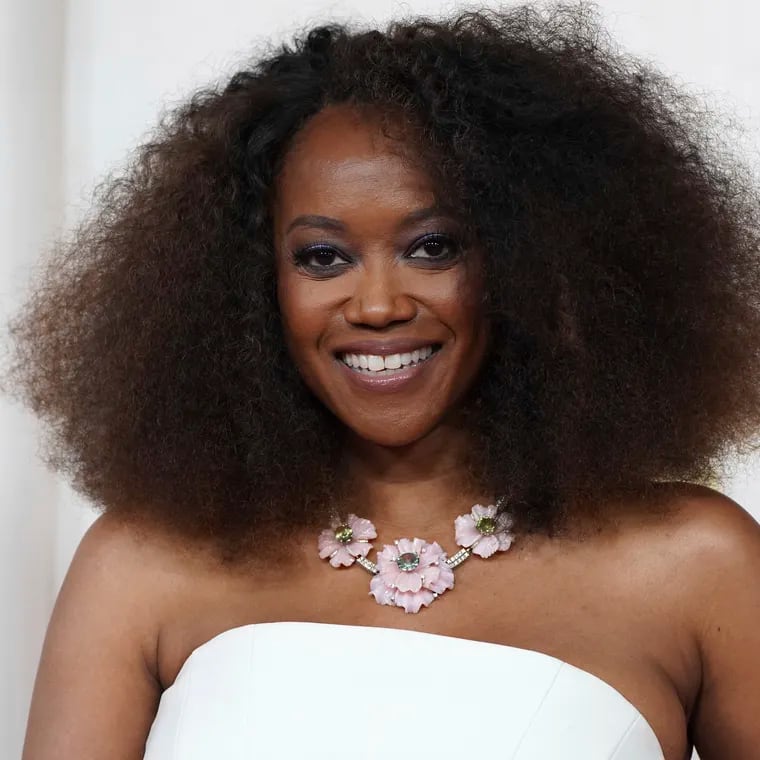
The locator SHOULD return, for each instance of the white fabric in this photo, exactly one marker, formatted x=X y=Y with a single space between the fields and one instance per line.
x=345 y=692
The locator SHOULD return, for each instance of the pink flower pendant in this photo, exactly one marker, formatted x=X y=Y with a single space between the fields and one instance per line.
x=411 y=574
x=342 y=543
x=484 y=531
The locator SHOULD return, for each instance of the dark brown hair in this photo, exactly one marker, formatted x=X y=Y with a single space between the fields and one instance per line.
x=623 y=282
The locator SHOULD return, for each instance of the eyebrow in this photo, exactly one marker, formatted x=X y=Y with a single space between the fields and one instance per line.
x=328 y=223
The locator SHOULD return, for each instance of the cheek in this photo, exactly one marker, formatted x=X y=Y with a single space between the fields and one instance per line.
x=305 y=309
x=459 y=301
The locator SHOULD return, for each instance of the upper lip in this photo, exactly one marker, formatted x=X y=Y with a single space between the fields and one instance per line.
x=384 y=347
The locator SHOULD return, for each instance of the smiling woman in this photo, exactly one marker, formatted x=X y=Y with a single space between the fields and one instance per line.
x=392 y=279
x=479 y=282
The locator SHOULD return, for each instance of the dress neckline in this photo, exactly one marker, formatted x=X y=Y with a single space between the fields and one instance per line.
x=219 y=638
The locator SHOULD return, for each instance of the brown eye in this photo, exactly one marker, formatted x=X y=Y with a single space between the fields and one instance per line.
x=322 y=258
x=318 y=258
x=434 y=247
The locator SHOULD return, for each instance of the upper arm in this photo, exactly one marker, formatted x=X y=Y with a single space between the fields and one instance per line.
x=95 y=694
x=726 y=719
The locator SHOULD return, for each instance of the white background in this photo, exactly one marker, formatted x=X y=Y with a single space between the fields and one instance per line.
x=82 y=80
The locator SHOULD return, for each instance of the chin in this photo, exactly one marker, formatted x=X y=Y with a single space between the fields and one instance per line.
x=387 y=434
x=391 y=440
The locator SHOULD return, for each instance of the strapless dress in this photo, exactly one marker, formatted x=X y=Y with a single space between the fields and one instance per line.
x=347 y=692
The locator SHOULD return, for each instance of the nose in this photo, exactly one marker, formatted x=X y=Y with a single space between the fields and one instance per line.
x=379 y=298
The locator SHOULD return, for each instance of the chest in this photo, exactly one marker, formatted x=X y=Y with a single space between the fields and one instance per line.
x=605 y=620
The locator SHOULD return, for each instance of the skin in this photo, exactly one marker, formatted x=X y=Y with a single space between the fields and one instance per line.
x=664 y=608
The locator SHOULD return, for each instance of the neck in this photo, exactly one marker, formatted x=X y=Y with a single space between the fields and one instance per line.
x=413 y=490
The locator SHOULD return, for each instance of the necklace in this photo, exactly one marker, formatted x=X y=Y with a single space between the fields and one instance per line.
x=412 y=573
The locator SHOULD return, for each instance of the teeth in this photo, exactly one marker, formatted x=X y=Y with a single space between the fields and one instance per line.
x=376 y=363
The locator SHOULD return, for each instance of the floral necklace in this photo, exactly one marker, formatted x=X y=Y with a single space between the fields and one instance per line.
x=413 y=573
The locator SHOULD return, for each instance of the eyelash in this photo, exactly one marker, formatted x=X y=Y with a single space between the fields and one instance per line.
x=301 y=256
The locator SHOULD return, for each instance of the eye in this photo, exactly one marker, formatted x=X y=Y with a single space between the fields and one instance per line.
x=318 y=258
x=435 y=247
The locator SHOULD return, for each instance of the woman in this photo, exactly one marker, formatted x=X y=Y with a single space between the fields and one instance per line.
x=387 y=300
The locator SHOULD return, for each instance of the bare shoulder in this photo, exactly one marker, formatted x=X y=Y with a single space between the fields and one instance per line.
x=120 y=566
x=714 y=545
x=96 y=689
x=109 y=580
x=702 y=518
x=113 y=542
x=141 y=550
x=691 y=534
x=708 y=504
x=711 y=546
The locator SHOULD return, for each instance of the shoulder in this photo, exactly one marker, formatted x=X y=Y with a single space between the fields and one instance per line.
x=134 y=563
x=114 y=549
x=164 y=592
x=114 y=582
x=712 y=545
x=718 y=541
x=686 y=530
x=132 y=575
x=695 y=553
x=709 y=529
x=703 y=540
x=113 y=542
x=97 y=687
x=110 y=596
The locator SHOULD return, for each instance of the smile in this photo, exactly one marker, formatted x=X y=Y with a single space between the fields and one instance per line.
x=375 y=364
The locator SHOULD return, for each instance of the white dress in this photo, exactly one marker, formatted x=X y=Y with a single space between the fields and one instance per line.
x=347 y=692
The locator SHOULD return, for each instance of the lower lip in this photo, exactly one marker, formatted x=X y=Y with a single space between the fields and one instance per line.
x=383 y=383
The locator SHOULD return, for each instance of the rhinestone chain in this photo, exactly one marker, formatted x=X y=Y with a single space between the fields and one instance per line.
x=453 y=561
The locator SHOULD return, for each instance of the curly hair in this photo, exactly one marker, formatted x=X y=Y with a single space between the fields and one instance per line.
x=623 y=282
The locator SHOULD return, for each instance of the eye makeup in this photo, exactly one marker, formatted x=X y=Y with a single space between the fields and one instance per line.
x=440 y=250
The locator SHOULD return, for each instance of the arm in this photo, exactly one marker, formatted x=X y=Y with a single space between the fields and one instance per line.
x=726 y=720
x=96 y=692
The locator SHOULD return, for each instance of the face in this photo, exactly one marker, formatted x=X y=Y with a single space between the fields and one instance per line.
x=381 y=303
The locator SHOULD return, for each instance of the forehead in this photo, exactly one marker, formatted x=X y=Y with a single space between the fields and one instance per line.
x=341 y=161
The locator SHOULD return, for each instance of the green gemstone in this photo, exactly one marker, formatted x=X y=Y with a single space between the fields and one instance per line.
x=408 y=561
x=344 y=534
x=486 y=525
